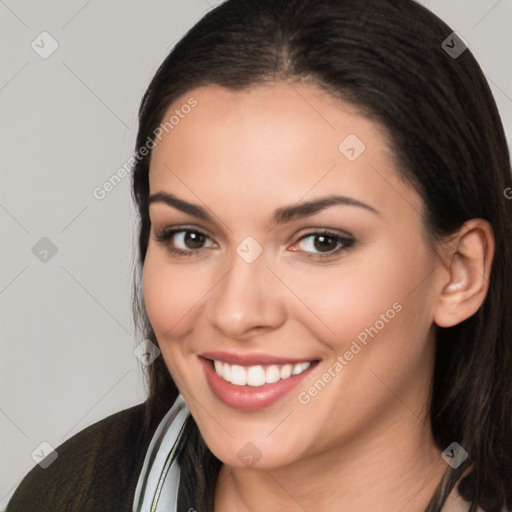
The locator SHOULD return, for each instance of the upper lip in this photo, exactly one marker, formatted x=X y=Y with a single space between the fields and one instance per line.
x=252 y=359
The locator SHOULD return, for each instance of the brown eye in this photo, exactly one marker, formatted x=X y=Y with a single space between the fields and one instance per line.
x=193 y=239
x=183 y=242
x=324 y=244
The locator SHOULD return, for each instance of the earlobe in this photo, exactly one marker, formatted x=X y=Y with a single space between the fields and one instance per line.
x=470 y=256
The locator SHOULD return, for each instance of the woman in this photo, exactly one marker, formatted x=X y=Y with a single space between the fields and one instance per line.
x=326 y=268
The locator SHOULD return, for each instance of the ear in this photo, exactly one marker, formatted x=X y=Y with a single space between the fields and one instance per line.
x=464 y=285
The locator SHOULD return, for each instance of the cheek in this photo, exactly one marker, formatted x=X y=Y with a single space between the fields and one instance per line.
x=389 y=317
x=379 y=312
x=371 y=289
x=170 y=294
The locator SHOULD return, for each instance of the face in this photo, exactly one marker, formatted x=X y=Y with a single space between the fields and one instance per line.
x=258 y=283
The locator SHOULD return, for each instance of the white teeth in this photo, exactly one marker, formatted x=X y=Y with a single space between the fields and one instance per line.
x=286 y=371
x=218 y=367
x=272 y=374
x=257 y=375
x=300 y=367
x=238 y=375
x=226 y=372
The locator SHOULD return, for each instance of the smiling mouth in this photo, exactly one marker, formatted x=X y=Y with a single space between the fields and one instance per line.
x=257 y=375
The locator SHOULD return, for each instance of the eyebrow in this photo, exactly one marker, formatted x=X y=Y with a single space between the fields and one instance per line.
x=281 y=215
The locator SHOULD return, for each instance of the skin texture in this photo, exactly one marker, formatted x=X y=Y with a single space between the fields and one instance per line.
x=364 y=441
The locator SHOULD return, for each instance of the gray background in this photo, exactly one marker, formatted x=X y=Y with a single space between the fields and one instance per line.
x=68 y=122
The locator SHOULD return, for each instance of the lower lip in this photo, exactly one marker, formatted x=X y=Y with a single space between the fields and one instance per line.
x=250 y=398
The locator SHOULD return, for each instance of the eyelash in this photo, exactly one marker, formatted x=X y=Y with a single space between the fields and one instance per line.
x=166 y=235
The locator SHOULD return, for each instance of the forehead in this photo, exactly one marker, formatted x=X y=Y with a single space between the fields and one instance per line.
x=281 y=142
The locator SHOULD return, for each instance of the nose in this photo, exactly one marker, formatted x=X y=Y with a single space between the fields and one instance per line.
x=247 y=301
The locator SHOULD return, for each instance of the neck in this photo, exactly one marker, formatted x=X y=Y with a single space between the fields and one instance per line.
x=393 y=467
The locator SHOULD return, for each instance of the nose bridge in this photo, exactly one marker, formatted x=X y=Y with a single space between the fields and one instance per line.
x=244 y=299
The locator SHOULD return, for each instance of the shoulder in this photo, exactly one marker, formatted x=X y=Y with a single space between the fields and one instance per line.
x=96 y=469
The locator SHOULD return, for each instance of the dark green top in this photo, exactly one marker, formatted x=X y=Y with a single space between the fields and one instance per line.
x=98 y=469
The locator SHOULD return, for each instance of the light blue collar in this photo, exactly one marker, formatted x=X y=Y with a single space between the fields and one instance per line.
x=157 y=487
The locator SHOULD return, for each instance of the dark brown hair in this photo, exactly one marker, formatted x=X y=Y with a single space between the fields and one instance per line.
x=386 y=58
